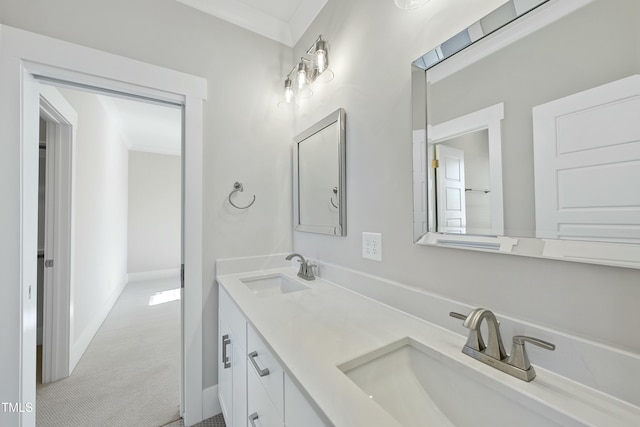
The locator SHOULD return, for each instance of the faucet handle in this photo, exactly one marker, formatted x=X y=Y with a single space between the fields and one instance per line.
x=457 y=315
x=518 y=356
x=474 y=340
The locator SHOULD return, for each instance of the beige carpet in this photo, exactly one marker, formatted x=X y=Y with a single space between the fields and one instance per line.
x=129 y=375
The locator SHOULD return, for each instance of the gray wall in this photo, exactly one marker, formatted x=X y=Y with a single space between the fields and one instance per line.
x=246 y=137
x=373 y=85
x=154 y=212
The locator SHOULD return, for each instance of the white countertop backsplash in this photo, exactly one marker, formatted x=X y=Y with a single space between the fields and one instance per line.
x=314 y=331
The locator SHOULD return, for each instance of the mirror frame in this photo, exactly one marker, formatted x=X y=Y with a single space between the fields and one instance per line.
x=339 y=117
x=472 y=41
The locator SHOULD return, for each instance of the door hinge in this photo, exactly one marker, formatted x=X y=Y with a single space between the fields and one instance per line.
x=435 y=163
x=182 y=275
x=48 y=263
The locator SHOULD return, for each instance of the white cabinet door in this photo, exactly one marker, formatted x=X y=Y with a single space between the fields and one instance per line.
x=225 y=389
x=239 y=378
x=232 y=366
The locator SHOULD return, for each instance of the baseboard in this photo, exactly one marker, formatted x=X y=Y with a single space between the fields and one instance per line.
x=210 y=402
x=171 y=273
x=79 y=345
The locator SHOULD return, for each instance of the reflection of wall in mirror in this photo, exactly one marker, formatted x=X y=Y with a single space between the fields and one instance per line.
x=595 y=45
x=318 y=176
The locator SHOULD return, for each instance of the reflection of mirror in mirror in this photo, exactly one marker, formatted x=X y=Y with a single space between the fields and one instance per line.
x=319 y=170
x=567 y=74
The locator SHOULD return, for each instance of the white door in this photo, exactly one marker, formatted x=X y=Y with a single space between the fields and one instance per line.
x=450 y=192
x=586 y=151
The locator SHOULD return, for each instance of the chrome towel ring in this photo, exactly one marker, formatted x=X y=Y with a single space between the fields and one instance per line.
x=237 y=186
x=335 y=191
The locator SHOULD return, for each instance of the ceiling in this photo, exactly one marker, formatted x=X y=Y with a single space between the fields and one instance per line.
x=144 y=126
x=157 y=128
x=281 y=20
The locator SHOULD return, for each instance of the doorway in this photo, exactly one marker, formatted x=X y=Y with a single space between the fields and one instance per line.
x=24 y=56
x=110 y=206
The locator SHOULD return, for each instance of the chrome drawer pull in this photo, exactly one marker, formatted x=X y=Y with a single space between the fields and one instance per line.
x=225 y=358
x=262 y=372
x=252 y=419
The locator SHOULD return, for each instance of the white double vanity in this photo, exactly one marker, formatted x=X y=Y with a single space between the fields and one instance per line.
x=300 y=353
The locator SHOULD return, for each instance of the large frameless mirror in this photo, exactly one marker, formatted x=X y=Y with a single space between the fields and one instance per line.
x=319 y=177
x=526 y=136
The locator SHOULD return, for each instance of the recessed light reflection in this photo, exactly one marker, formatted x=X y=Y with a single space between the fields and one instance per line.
x=164 y=297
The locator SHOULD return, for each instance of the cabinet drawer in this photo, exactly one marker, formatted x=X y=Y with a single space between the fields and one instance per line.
x=233 y=317
x=267 y=369
x=261 y=412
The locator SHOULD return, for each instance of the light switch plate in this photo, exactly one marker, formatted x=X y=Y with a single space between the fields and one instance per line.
x=372 y=246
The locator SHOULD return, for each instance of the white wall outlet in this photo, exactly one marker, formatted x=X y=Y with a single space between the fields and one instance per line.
x=372 y=246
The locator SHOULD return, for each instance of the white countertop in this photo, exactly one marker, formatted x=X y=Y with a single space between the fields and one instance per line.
x=315 y=330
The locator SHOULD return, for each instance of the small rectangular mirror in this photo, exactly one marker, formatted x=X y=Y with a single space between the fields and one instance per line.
x=319 y=189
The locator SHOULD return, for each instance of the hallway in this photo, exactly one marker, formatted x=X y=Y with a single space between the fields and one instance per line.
x=129 y=375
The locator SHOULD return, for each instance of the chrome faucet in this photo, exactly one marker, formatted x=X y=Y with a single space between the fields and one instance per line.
x=306 y=269
x=492 y=353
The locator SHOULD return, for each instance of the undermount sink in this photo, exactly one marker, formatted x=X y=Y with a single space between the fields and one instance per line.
x=420 y=386
x=272 y=284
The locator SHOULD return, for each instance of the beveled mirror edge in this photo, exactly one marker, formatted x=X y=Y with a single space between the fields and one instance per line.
x=476 y=32
x=339 y=117
x=590 y=252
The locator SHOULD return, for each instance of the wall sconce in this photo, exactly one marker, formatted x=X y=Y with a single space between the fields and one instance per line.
x=312 y=68
x=410 y=4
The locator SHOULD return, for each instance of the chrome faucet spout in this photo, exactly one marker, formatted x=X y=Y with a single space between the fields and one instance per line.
x=517 y=364
x=306 y=269
x=494 y=346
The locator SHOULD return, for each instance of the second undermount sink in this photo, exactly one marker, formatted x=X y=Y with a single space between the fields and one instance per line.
x=420 y=386
x=272 y=284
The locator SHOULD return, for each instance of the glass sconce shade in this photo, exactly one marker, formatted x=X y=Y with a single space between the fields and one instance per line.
x=322 y=59
x=313 y=67
x=410 y=4
x=288 y=90
x=304 y=92
x=301 y=75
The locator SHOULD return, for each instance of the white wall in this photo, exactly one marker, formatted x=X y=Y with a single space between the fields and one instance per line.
x=99 y=267
x=373 y=85
x=246 y=137
x=154 y=212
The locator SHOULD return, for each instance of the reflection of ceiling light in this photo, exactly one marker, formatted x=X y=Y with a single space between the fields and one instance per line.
x=312 y=68
x=410 y=4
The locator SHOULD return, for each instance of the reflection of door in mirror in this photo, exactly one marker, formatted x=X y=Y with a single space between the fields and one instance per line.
x=450 y=183
x=479 y=135
x=586 y=151
x=463 y=194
